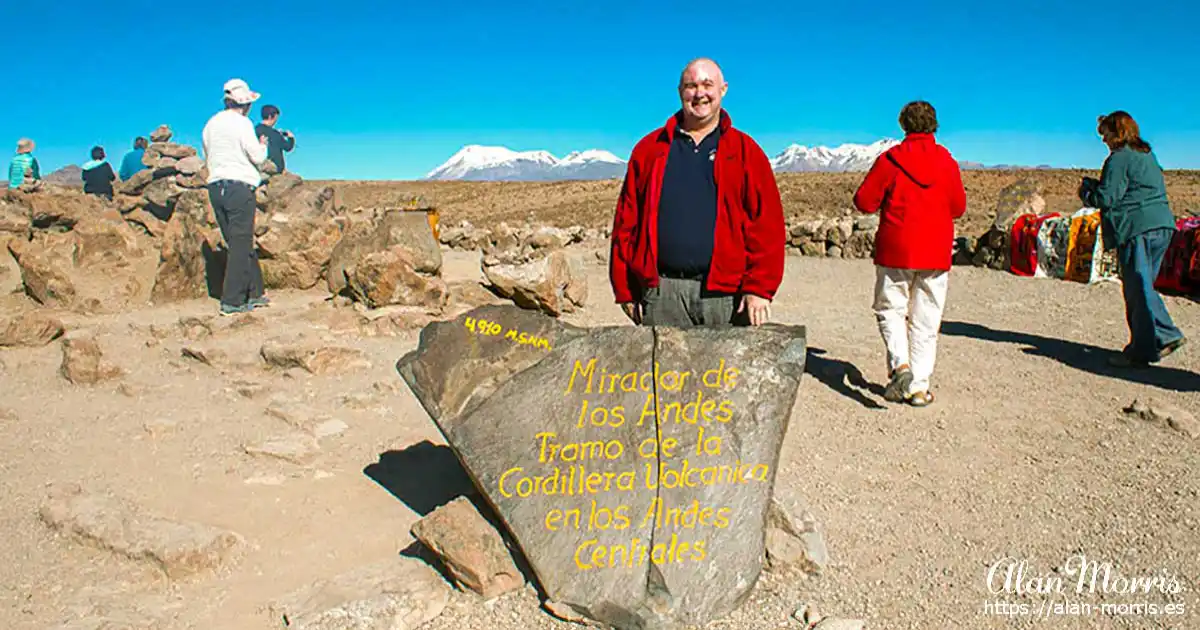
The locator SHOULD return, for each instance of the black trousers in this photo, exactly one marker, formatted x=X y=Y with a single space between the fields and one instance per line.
x=234 y=207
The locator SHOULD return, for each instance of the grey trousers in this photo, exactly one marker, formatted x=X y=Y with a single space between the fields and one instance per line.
x=686 y=303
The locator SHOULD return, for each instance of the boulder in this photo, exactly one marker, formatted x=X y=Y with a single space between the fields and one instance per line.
x=547 y=237
x=84 y=364
x=15 y=219
x=63 y=209
x=103 y=265
x=389 y=277
x=472 y=550
x=554 y=283
x=1020 y=197
x=406 y=230
x=187 y=247
x=10 y=271
x=633 y=465
x=279 y=185
x=294 y=251
x=32 y=328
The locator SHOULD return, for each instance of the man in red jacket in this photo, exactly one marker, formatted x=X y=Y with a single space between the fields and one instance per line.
x=918 y=186
x=698 y=236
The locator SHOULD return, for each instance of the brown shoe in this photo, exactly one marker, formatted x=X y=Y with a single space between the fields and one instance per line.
x=1171 y=347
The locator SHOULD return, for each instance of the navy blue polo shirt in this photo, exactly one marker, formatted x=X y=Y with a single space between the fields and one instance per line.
x=687 y=207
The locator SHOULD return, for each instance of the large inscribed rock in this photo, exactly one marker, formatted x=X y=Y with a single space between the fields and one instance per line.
x=633 y=465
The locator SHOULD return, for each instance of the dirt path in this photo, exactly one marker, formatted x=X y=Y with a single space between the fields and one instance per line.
x=1026 y=454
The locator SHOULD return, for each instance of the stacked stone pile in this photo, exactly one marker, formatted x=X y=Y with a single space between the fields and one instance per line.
x=846 y=236
x=158 y=241
x=504 y=238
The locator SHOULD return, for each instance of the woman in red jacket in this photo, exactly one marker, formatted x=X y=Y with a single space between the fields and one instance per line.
x=918 y=187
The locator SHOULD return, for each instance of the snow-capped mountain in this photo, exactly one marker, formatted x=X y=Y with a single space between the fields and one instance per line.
x=491 y=163
x=847 y=157
x=483 y=163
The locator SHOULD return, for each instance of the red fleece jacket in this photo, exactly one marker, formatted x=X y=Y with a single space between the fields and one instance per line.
x=918 y=186
x=748 y=241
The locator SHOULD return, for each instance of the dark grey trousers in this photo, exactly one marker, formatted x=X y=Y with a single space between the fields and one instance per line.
x=685 y=303
x=234 y=207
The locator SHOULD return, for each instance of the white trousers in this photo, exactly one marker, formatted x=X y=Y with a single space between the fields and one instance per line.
x=908 y=306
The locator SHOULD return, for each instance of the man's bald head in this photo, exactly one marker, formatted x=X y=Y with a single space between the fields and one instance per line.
x=702 y=66
x=702 y=86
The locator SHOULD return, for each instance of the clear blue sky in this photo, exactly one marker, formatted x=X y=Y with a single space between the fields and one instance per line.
x=389 y=90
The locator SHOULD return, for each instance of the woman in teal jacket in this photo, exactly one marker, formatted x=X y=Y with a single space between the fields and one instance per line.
x=1135 y=218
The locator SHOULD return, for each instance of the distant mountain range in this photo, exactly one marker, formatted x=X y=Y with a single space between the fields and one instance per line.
x=70 y=175
x=479 y=163
x=495 y=163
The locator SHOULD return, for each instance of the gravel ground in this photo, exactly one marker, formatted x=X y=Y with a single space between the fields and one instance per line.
x=1026 y=454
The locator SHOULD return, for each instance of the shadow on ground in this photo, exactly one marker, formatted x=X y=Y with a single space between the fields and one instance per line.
x=1080 y=356
x=426 y=476
x=423 y=476
x=842 y=377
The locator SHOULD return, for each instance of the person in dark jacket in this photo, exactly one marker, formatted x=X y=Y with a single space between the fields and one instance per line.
x=1136 y=219
x=132 y=162
x=277 y=141
x=98 y=175
x=917 y=186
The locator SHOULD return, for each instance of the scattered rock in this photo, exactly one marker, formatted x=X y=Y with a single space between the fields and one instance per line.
x=472 y=550
x=397 y=594
x=179 y=549
x=389 y=277
x=297 y=415
x=211 y=357
x=566 y=613
x=1174 y=417
x=300 y=449
x=32 y=328
x=84 y=364
x=553 y=284
x=793 y=536
x=313 y=357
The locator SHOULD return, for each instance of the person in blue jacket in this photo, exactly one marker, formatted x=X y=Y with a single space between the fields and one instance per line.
x=132 y=162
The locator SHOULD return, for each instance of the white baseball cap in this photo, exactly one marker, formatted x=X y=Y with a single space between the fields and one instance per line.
x=239 y=92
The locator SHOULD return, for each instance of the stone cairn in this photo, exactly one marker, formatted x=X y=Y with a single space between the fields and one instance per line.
x=172 y=169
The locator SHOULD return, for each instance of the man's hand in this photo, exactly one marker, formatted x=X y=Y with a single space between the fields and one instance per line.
x=633 y=311
x=759 y=308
